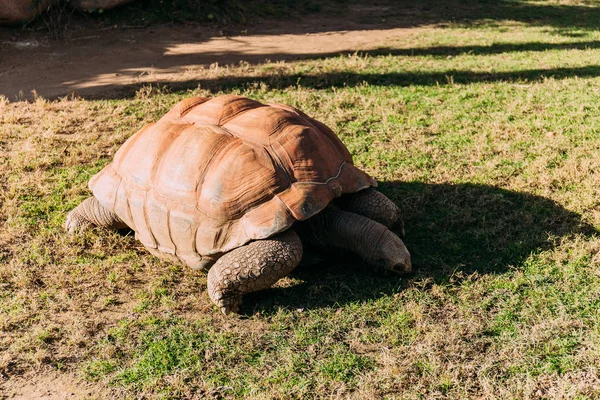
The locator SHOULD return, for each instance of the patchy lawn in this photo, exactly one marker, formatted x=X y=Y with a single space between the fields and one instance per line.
x=486 y=134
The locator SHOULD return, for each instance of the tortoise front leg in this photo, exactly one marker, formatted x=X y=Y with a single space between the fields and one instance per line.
x=252 y=267
x=90 y=213
x=374 y=205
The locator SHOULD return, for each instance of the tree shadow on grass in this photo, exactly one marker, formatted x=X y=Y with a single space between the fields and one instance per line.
x=495 y=48
x=464 y=228
x=352 y=79
x=421 y=78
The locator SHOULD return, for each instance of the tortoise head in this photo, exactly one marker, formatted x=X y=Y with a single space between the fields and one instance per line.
x=390 y=254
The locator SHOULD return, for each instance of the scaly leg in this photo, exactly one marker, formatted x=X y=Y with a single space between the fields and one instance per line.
x=252 y=267
x=374 y=205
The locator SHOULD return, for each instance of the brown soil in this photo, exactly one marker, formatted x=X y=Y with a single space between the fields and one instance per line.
x=95 y=63
x=51 y=386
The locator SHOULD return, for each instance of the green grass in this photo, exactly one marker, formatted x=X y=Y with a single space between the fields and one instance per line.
x=485 y=134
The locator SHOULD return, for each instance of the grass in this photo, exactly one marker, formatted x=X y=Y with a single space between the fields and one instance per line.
x=486 y=135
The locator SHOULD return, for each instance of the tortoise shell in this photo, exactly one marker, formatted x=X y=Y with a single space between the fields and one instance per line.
x=214 y=174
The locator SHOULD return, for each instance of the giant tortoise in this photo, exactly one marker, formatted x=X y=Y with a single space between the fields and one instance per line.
x=236 y=187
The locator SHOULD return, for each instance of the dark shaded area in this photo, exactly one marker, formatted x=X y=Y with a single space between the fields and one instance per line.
x=462 y=228
x=251 y=14
x=341 y=79
x=496 y=48
x=218 y=12
x=383 y=13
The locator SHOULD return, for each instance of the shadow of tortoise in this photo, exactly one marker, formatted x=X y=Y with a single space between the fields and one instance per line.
x=450 y=229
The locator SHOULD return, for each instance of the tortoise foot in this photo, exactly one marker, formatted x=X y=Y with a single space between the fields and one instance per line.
x=75 y=223
x=229 y=305
x=252 y=267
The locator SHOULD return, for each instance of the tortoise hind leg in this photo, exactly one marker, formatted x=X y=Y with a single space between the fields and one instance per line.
x=252 y=267
x=372 y=204
x=90 y=213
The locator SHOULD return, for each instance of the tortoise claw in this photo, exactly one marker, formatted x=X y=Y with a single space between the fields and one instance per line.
x=75 y=224
x=230 y=305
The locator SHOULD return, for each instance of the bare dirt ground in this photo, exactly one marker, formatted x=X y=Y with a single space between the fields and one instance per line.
x=51 y=386
x=94 y=63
